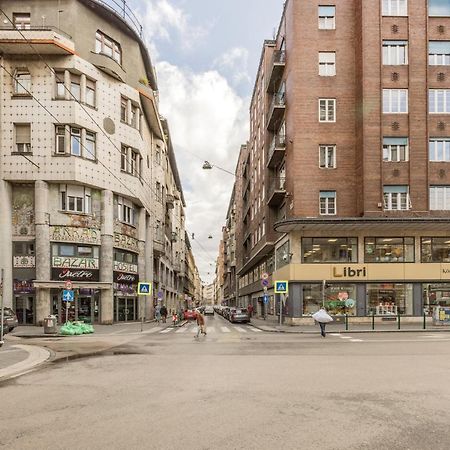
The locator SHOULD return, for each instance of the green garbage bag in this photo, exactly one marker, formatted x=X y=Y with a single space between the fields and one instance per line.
x=67 y=329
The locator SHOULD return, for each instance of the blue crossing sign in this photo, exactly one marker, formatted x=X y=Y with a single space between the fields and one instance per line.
x=266 y=299
x=144 y=288
x=281 y=287
x=68 y=296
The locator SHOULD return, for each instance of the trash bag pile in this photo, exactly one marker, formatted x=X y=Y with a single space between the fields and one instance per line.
x=76 y=328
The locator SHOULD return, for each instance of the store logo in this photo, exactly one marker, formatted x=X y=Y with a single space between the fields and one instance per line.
x=349 y=272
x=125 y=277
x=68 y=274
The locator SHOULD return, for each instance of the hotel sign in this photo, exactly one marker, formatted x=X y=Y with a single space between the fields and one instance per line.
x=75 y=234
x=126 y=242
x=125 y=267
x=75 y=263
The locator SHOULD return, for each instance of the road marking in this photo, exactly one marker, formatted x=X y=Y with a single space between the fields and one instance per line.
x=153 y=330
x=167 y=330
x=181 y=330
x=355 y=340
x=346 y=337
x=241 y=330
x=225 y=329
x=334 y=334
x=434 y=336
x=194 y=330
x=210 y=330
x=256 y=330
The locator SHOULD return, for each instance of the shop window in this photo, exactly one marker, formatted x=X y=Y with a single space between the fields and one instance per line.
x=327 y=17
x=22 y=82
x=22 y=21
x=439 y=8
x=435 y=249
x=22 y=137
x=395 y=53
x=390 y=299
x=108 y=47
x=435 y=294
x=76 y=199
x=396 y=198
x=282 y=255
x=395 y=149
x=329 y=250
x=389 y=250
x=338 y=299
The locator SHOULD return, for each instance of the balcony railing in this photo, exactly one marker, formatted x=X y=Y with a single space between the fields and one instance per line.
x=121 y=8
x=276 y=150
x=276 y=111
x=276 y=191
x=278 y=65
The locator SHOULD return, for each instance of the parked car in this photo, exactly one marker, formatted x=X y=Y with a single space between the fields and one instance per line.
x=10 y=320
x=240 y=315
x=190 y=314
x=225 y=311
x=209 y=309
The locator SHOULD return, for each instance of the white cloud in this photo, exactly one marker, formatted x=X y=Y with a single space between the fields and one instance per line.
x=208 y=121
x=234 y=62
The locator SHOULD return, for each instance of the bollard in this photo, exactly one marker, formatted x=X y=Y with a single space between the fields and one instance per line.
x=346 y=322
x=424 y=321
x=398 y=316
x=373 y=320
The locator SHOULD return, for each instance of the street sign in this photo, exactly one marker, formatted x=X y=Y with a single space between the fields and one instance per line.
x=144 y=288
x=68 y=285
x=265 y=282
x=265 y=276
x=281 y=287
x=266 y=299
x=68 y=296
x=160 y=294
x=265 y=289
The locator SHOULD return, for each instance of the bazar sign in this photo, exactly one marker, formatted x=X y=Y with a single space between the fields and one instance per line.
x=75 y=234
x=126 y=242
x=75 y=275
x=75 y=263
x=125 y=267
x=24 y=262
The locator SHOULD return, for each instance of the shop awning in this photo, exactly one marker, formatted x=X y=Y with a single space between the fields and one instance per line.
x=75 y=285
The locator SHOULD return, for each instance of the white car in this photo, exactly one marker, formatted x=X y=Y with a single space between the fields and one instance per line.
x=209 y=309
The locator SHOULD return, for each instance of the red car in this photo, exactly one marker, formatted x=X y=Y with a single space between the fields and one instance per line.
x=190 y=314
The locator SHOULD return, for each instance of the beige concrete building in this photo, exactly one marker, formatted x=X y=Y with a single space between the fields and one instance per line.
x=89 y=188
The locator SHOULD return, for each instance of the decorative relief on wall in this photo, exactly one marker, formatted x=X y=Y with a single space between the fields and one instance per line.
x=23 y=211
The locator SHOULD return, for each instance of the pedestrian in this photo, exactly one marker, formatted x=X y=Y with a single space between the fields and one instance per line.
x=322 y=317
x=158 y=313
x=250 y=310
x=164 y=313
x=201 y=324
x=174 y=317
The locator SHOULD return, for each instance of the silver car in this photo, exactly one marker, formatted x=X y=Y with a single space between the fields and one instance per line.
x=10 y=320
x=239 y=315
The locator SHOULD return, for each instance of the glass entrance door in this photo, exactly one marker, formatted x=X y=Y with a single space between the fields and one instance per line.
x=125 y=309
x=24 y=307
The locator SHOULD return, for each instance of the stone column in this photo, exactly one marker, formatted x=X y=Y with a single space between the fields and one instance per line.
x=41 y=193
x=6 y=241
x=106 y=258
x=142 y=231
x=149 y=311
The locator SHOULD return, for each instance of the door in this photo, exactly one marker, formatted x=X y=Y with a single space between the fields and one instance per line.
x=85 y=309
x=24 y=307
x=131 y=310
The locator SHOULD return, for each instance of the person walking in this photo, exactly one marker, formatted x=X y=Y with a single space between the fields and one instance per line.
x=164 y=313
x=158 y=314
x=250 y=310
x=174 y=317
x=201 y=324
x=322 y=318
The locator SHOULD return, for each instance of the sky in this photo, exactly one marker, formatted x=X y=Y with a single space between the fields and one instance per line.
x=206 y=54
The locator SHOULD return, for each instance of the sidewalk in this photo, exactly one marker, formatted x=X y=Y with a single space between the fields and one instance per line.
x=271 y=325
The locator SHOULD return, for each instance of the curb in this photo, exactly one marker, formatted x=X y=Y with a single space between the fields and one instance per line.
x=37 y=356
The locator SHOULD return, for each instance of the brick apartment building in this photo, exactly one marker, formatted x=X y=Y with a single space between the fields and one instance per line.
x=344 y=186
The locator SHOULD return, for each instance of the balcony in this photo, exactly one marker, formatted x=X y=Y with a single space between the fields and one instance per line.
x=276 y=150
x=278 y=65
x=46 y=40
x=276 y=191
x=276 y=111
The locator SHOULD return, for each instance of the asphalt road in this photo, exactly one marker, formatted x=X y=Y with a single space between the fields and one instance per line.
x=238 y=389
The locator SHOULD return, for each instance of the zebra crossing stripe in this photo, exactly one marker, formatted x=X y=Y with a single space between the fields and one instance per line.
x=181 y=330
x=225 y=329
x=256 y=330
x=167 y=330
x=334 y=334
x=194 y=330
x=241 y=330
x=355 y=340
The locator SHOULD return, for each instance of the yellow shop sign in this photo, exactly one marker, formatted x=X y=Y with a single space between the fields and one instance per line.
x=353 y=272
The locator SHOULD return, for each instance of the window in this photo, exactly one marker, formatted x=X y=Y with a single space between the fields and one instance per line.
x=90 y=145
x=326 y=250
x=125 y=257
x=60 y=88
x=327 y=64
x=439 y=198
x=22 y=21
x=107 y=46
x=395 y=101
x=439 y=101
x=327 y=203
x=396 y=198
x=75 y=141
x=23 y=248
x=75 y=199
x=124 y=109
x=125 y=211
x=389 y=299
x=22 y=137
x=327 y=17
x=22 y=82
x=282 y=255
x=74 y=250
x=135 y=115
x=60 y=140
x=327 y=156
x=130 y=161
x=75 y=87
x=383 y=250
x=440 y=8
x=395 y=53
x=90 y=92
x=439 y=149
x=439 y=53
x=395 y=149
x=395 y=8
x=327 y=110
x=435 y=249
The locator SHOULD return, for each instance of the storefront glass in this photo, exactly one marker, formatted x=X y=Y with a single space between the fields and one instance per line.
x=389 y=299
x=24 y=308
x=85 y=307
x=389 y=250
x=339 y=299
x=125 y=309
x=435 y=294
x=323 y=250
x=435 y=250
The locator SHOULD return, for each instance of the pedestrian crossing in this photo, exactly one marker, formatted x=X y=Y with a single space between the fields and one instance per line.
x=192 y=329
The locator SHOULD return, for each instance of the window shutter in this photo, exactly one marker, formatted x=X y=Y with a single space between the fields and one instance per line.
x=23 y=133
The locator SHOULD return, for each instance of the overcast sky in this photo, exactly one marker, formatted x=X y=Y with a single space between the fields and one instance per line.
x=206 y=53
